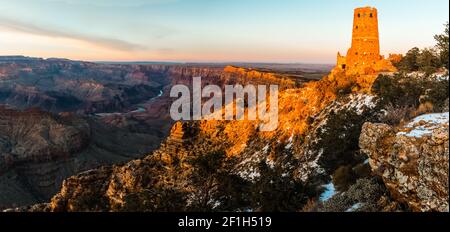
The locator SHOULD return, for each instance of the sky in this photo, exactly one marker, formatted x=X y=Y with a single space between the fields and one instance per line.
x=280 y=31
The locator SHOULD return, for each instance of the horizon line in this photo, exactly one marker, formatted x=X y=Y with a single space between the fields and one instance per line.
x=166 y=61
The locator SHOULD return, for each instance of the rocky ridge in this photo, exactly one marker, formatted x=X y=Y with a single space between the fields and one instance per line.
x=413 y=164
x=170 y=167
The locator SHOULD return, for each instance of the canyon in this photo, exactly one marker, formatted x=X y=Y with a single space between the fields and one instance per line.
x=140 y=160
x=369 y=134
x=61 y=117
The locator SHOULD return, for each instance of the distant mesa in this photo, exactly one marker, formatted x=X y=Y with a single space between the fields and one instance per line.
x=18 y=58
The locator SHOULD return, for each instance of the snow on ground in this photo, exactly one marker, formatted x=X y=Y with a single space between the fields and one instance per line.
x=270 y=163
x=306 y=169
x=354 y=207
x=289 y=145
x=247 y=168
x=442 y=78
x=360 y=101
x=214 y=203
x=425 y=124
x=251 y=174
x=416 y=74
x=265 y=149
x=330 y=191
x=139 y=110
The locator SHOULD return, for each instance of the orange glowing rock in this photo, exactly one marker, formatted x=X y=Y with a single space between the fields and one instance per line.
x=363 y=58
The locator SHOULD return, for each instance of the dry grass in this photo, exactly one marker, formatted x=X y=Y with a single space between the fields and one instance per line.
x=397 y=115
x=401 y=115
x=423 y=108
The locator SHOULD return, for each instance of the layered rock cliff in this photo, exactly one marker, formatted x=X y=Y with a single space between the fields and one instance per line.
x=298 y=155
x=38 y=150
x=58 y=85
x=111 y=137
x=35 y=148
x=412 y=160
x=233 y=166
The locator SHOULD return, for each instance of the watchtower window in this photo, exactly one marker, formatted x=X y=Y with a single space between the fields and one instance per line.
x=357 y=27
x=371 y=15
x=359 y=15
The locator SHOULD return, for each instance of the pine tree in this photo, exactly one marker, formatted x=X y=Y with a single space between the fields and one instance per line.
x=442 y=46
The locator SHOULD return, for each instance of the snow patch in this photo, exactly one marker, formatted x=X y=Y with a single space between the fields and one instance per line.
x=441 y=76
x=425 y=124
x=354 y=207
x=329 y=192
x=360 y=102
x=214 y=203
x=289 y=145
x=270 y=163
x=310 y=167
x=366 y=161
x=248 y=169
x=265 y=149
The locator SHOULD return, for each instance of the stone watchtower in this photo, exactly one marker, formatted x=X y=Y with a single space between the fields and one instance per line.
x=364 y=55
x=365 y=50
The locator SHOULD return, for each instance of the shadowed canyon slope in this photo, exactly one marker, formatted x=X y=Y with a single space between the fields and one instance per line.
x=231 y=166
x=100 y=114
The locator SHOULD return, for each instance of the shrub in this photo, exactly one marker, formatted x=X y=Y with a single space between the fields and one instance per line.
x=398 y=90
x=428 y=61
x=362 y=170
x=339 y=138
x=205 y=169
x=366 y=192
x=395 y=116
x=402 y=91
x=442 y=46
x=409 y=61
x=437 y=94
x=445 y=107
x=278 y=191
x=424 y=108
x=155 y=200
x=343 y=177
x=310 y=206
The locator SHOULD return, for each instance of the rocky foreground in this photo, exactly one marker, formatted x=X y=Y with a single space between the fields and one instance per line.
x=412 y=160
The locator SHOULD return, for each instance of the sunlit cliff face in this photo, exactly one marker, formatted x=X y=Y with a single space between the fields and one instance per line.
x=299 y=106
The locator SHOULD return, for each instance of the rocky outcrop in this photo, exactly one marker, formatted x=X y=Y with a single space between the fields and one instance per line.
x=284 y=80
x=38 y=136
x=38 y=150
x=412 y=160
x=35 y=149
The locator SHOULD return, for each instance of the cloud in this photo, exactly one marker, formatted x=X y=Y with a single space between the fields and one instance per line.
x=115 y=3
x=110 y=43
